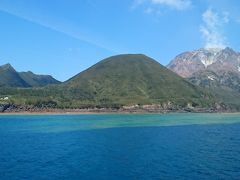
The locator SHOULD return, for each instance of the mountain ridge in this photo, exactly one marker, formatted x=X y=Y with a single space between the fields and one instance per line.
x=9 y=77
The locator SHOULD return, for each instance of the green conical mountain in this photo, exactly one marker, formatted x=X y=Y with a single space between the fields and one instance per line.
x=131 y=79
x=9 y=77
x=35 y=80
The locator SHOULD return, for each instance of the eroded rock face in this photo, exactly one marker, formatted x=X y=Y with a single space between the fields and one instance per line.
x=216 y=60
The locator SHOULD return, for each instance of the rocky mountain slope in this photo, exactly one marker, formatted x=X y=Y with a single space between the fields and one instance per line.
x=215 y=60
x=215 y=69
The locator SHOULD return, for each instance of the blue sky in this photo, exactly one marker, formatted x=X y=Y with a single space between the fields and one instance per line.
x=64 y=37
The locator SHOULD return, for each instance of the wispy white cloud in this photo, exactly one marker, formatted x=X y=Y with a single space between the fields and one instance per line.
x=213 y=27
x=174 y=4
x=57 y=26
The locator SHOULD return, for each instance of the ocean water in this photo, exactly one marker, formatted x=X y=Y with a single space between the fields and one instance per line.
x=140 y=146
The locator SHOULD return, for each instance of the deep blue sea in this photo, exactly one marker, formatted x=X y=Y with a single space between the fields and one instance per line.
x=150 y=146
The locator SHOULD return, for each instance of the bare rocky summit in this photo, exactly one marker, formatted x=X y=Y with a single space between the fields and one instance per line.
x=218 y=70
x=215 y=60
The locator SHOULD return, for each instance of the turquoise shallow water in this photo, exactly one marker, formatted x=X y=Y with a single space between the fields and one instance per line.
x=66 y=123
x=139 y=146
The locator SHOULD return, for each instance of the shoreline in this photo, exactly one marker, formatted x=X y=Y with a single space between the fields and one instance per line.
x=111 y=111
x=12 y=109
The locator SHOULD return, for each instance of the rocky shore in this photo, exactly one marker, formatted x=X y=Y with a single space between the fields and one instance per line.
x=30 y=109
